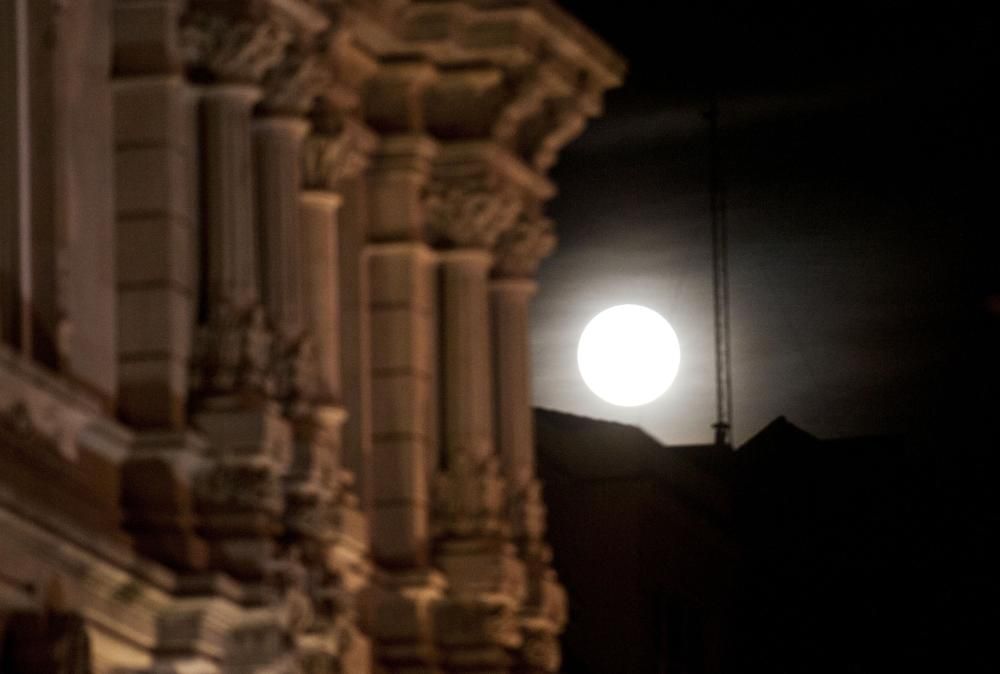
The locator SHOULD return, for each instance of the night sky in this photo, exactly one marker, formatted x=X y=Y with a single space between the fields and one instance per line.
x=858 y=148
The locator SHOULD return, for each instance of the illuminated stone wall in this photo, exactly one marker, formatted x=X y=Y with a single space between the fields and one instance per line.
x=264 y=383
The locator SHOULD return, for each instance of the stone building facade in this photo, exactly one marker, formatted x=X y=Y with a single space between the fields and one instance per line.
x=265 y=268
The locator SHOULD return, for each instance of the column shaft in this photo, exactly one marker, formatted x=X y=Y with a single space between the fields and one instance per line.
x=229 y=194
x=402 y=325
x=278 y=160
x=465 y=351
x=319 y=234
x=510 y=300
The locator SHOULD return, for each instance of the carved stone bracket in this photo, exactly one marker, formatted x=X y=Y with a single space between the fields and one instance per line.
x=532 y=89
x=521 y=248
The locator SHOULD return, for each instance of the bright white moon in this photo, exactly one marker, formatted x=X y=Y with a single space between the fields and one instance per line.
x=628 y=355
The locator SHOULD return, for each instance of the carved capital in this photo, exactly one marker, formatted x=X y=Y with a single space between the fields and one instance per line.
x=292 y=86
x=470 y=213
x=520 y=249
x=336 y=153
x=236 y=49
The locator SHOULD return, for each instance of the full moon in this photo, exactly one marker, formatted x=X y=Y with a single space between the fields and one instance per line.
x=628 y=355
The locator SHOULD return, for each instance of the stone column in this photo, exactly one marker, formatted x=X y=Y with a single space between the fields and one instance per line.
x=542 y=616
x=509 y=302
x=323 y=514
x=277 y=144
x=228 y=198
x=470 y=208
x=399 y=274
x=239 y=491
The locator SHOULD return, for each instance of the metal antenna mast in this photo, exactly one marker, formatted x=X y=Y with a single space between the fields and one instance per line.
x=720 y=281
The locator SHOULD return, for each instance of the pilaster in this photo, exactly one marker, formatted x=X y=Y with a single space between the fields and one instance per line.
x=472 y=202
x=543 y=613
x=157 y=221
x=238 y=492
x=398 y=279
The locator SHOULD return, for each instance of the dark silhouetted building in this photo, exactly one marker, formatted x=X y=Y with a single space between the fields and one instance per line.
x=791 y=554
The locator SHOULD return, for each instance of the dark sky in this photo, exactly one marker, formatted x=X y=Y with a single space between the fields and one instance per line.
x=858 y=146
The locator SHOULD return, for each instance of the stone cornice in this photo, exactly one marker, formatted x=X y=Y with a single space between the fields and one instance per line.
x=521 y=73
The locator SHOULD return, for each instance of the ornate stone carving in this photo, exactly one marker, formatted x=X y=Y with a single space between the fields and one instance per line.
x=335 y=153
x=291 y=578
x=240 y=485
x=470 y=213
x=233 y=352
x=528 y=512
x=232 y=49
x=469 y=497
x=521 y=248
x=297 y=376
x=293 y=85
